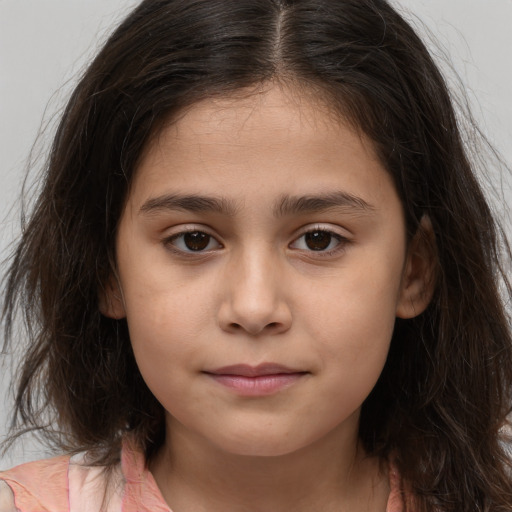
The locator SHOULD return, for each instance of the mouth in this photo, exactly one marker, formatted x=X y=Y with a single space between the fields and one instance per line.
x=262 y=380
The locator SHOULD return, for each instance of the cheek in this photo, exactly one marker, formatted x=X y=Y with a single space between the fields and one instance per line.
x=165 y=327
x=352 y=321
x=352 y=358
x=167 y=314
x=165 y=324
x=161 y=301
x=167 y=353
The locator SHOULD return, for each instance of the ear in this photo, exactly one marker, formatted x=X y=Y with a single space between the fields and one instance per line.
x=419 y=277
x=110 y=299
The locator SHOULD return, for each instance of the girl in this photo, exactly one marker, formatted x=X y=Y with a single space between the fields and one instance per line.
x=261 y=275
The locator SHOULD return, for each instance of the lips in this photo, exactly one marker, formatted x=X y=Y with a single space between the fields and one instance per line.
x=262 y=380
x=245 y=370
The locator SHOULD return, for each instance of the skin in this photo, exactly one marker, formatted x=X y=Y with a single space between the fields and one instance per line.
x=259 y=293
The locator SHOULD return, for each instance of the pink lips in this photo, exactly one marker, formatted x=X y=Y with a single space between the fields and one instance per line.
x=264 y=379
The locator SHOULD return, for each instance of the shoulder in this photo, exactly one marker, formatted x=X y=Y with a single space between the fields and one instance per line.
x=71 y=484
x=60 y=484
x=41 y=485
x=6 y=498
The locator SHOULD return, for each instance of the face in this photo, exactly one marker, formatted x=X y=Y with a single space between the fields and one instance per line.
x=262 y=262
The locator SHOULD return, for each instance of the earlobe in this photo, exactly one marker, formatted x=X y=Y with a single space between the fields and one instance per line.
x=110 y=299
x=419 y=277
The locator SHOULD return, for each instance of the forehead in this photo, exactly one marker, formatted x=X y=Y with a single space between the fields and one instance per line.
x=270 y=107
x=272 y=142
x=274 y=117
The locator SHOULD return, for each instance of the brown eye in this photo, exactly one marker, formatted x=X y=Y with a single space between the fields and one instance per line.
x=192 y=241
x=196 y=240
x=322 y=241
x=318 y=240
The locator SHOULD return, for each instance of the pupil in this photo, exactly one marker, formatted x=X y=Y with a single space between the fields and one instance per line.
x=318 y=240
x=196 y=241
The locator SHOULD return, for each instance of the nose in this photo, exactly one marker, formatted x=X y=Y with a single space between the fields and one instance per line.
x=254 y=296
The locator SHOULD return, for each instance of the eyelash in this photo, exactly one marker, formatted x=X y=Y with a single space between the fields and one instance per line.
x=341 y=241
x=170 y=242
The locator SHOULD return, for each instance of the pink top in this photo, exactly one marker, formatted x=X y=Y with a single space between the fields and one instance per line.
x=67 y=484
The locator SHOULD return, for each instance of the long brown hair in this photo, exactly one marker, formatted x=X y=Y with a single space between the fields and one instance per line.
x=445 y=391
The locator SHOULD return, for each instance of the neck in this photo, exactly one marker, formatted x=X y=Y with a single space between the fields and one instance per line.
x=332 y=474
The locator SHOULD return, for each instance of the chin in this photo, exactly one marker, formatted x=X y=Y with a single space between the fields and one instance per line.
x=261 y=444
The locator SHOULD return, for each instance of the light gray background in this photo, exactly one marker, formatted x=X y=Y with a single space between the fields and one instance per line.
x=45 y=43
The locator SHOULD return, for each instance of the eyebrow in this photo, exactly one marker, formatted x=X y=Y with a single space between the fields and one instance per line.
x=285 y=206
x=190 y=203
x=293 y=205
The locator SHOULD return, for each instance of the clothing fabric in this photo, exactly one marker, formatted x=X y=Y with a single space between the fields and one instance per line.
x=68 y=484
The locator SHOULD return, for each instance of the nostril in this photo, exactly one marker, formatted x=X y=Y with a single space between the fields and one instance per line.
x=270 y=327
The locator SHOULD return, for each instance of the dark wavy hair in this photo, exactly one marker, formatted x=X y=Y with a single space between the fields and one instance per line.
x=441 y=403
